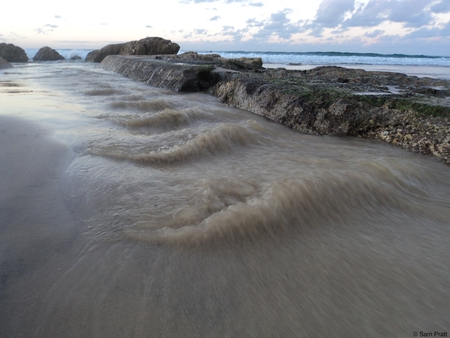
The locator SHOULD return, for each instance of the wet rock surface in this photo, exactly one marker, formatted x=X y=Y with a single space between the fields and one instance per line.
x=161 y=74
x=406 y=111
x=47 y=54
x=12 y=53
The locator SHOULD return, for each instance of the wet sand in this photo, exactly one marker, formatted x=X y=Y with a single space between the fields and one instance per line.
x=36 y=229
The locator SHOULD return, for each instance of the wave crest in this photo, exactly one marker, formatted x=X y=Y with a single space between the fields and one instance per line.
x=222 y=139
x=287 y=204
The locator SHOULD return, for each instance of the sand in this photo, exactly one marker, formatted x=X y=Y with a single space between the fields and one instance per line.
x=36 y=229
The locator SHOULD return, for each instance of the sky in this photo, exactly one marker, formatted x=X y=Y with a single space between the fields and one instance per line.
x=376 y=26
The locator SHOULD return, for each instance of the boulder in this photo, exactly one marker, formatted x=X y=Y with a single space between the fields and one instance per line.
x=12 y=53
x=4 y=64
x=47 y=54
x=147 y=46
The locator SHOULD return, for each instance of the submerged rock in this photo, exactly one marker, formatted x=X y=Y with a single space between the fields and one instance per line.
x=12 y=53
x=147 y=46
x=5 y=64
x=47 y=54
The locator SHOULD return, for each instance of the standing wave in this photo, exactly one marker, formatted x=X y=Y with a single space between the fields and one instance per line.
x=290 y=204
x=168 y=119
x=222 y=139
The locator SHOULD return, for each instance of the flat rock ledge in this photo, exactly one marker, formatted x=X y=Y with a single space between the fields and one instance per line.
x=406 y=111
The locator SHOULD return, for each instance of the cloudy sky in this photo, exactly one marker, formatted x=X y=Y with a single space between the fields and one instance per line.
x=380 y=26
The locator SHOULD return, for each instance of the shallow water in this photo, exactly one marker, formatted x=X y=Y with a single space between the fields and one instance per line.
x=143 y=212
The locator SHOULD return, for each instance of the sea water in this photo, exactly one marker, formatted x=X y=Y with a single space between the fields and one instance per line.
x=302 y=58
x=148 y=213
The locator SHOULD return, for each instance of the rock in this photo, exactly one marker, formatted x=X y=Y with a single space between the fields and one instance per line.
x=316 y=102
x=147 y=46
x=217 y=60
x=12 y=53
x=4 y=64
x=75 y=58
x=47 y=54
x=157 y=73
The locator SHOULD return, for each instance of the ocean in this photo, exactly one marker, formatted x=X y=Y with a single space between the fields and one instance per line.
x=309 y=58
x=127 y=210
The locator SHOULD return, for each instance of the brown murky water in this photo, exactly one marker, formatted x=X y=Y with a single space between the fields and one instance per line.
x=129 y=211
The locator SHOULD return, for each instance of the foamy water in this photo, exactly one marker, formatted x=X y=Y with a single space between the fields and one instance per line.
x=182 y=217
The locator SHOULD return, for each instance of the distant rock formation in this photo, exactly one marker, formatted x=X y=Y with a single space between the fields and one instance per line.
x=240 y=64
x=12 y=53
x=147 y=46
x=47 y=54
x=4 y=64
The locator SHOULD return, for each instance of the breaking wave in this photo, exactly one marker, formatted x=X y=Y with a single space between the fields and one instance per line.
x=222 y=139
x=167 y=119
x=103 y=92
x=142 y=106
x=233 y=212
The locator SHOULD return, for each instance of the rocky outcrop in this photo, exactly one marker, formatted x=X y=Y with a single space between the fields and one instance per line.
x=147 y=46
x=320 y=102
x=4 y=64
x=47 y=54
x=157 y=73
x=241 y=64
x=12 y=53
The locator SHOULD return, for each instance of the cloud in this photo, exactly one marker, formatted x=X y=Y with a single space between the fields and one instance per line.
x=331 y=13
x=14 y=34
x=442 y=7
x=412 y=13
x=375 y=33
x=215 y=18
x=254 y=23
x=57 y=17
x=148 y=26
x=433 y=32
x=46 y=28
x=258 y=4
x=278 y=24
